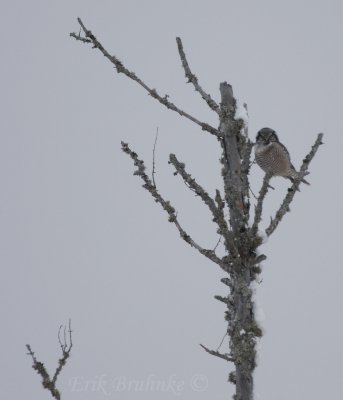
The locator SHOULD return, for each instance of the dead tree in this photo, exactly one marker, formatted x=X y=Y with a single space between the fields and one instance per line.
x=241 y=238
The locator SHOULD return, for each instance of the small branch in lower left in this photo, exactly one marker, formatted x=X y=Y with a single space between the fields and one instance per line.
x=66 y=346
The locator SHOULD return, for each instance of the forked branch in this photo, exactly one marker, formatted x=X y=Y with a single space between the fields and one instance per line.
x=216 y=210
x=66 y=346
x=91 y=39
x=149 y=186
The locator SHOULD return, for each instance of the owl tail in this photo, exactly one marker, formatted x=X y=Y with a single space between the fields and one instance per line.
x=294 y=174
x=303 y=180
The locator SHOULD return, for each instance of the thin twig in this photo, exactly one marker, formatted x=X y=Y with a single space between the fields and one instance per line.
x=59 y=338
x=217 y=244
x=225 y=356
x=66 y=348
x=194 y=80
x=153 y=159
x=122 y=69
x=221 y=343
x=148 y=185
x=284 y=207
x=253 y=194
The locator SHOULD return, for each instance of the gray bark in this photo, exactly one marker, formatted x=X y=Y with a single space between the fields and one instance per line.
x=240 y=309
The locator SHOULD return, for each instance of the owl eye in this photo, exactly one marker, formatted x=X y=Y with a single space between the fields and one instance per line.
x=274 y=137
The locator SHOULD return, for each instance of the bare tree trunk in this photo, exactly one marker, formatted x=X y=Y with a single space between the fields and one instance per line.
x=242 y=342
x=240 y=307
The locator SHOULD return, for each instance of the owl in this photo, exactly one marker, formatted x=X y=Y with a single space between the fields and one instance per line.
x=273 y=157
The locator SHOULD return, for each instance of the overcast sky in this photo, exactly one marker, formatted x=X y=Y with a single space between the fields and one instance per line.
x=80 y=238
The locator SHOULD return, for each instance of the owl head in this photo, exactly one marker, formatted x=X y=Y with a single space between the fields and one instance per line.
x=266 y=136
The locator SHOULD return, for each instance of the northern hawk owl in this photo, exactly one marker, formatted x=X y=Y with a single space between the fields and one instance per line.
x=273 y=157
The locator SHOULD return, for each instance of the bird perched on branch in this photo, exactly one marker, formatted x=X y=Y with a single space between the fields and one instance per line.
x=273 y=157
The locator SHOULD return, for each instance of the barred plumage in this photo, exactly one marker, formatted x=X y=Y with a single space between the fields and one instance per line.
x=272 y=156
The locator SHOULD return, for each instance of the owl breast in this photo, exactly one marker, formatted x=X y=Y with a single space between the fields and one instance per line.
x=273 y=159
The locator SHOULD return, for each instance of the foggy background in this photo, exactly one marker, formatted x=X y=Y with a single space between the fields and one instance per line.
x=80 y=238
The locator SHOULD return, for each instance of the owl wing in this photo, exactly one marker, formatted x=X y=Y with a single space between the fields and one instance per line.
x=287 y=152
x=285 y=149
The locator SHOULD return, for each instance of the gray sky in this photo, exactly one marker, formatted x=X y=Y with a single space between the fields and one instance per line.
x=81 y=239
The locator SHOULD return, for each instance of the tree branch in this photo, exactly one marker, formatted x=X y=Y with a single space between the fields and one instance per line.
x=226 y=281
x=66 y=348
x=149 y=186
x=221 y=298
x=217 y=211
x=194 y=80
x=80 y=38
x=47 y=382
x=284 y=208
x=225 y=356
x=228 y=237
x=259 y=205
x=90 y=38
